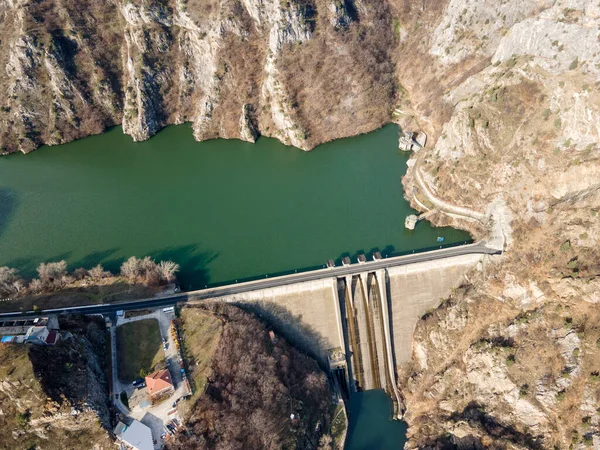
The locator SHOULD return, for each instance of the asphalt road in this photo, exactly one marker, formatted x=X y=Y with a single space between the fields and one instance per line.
x=232 y=289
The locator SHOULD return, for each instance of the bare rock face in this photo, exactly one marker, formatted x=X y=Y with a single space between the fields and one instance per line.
x=248 y=130
x=511 y=359
x=74 y=68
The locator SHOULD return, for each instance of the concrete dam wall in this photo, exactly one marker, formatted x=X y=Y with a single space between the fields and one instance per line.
x=359 y=324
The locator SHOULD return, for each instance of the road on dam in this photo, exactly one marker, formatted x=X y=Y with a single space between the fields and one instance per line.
x=233 y=289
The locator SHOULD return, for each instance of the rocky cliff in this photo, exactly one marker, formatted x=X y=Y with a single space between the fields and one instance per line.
x=234 y=68
x=56 y=397
x=511 y=359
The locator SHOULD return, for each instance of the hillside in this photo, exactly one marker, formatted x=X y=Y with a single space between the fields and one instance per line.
x=254 y=382
x=510 y=360
x=56 y=397
x=508 y=95
x=233 y=68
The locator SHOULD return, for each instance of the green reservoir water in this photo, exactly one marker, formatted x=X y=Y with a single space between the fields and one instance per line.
x=222 y=209
x=370 y=424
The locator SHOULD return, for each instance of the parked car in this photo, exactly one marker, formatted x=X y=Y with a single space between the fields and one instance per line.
x=141 y=385
x=138 y=381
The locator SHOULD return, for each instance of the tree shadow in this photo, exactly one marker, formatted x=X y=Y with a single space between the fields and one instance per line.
x=193 y=264
x=95 y=258
x=298 y=333
x=9 y=201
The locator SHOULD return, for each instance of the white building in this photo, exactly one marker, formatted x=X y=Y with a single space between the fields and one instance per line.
x=136 y=436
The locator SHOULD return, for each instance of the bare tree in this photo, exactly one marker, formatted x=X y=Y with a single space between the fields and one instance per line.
x=145 y=270
x=131 y=269
x=98 y=273
x=10 y=282
x=167 y=270
x=36 y=286
x=52 y=271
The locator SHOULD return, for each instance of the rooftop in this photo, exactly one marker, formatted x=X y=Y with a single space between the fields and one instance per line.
x=138 y=436
x=158 y=381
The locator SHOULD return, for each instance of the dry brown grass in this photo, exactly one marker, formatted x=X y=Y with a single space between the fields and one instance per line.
x=28 y=412
x=111 y=290
x=201 y=334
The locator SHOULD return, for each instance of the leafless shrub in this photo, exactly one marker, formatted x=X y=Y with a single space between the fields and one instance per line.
x=10 y=282
x=168 y=269
x=146 y=271
x=36 y=286
x=98 y=273
x=53 y=274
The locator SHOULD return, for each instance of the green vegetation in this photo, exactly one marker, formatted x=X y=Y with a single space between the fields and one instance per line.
x=139 y=349
x=124 y=399
x=574 y=64
x=523 y=390
x=22 y=419
x=339 y=426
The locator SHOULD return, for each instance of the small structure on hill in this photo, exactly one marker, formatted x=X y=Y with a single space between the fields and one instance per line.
x=41 y=335
x=136 y=436
x=159 y=384
x=410 y=141
x=411 y=222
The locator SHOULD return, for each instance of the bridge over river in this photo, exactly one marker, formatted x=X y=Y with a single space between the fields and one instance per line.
x=356 y=319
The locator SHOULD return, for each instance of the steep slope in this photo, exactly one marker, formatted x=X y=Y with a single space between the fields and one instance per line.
x=56 y=397
x=233 y=68
x=260 y=392
x=511 y=359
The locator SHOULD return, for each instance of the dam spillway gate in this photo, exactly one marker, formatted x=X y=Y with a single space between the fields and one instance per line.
x=367 y=353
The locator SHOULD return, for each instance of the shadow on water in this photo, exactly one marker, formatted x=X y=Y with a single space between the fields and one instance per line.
x=28 y=266
x=193 y=264
x=8 y=205
x=95 y=258
x=370 y=424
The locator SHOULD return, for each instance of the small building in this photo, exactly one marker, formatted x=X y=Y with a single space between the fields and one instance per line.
x=330 y=263
x=411 y=222
x=136 y=436
x=39 y=334
x=362 y=259
x=159 y=384
x=409 y=141
x=52 y=338
x=345 y=261
x=376 y=256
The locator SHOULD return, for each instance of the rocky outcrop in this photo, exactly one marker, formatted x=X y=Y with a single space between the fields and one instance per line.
x=56 y=397
x=147 y=64
x=511 y=358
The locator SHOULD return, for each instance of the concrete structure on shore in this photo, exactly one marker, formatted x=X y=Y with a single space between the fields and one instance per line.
x=359 y=325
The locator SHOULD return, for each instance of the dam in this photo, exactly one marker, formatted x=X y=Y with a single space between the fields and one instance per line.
x=359 y=325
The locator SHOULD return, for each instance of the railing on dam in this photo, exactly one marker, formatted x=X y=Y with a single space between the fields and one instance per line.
x=387 y=252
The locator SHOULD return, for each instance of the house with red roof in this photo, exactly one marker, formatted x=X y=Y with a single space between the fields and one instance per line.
x=159 y=384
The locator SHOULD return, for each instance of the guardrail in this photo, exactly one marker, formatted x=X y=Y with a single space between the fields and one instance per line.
x=256 y=283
